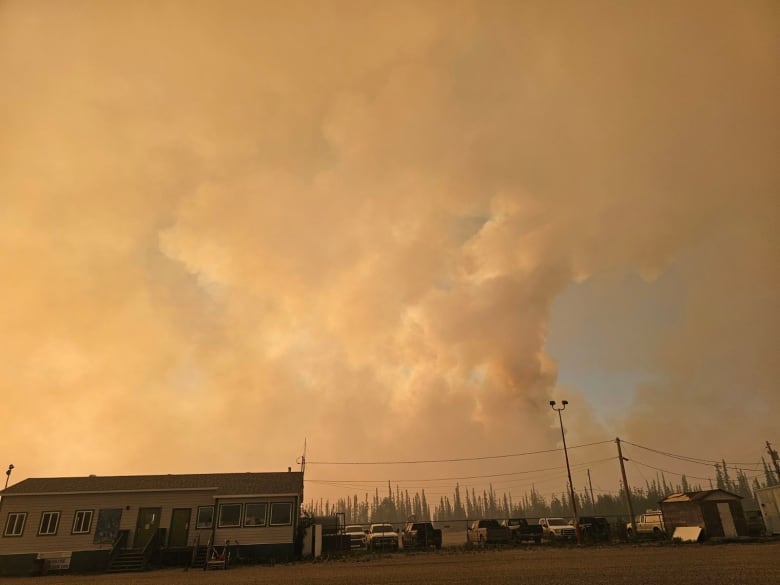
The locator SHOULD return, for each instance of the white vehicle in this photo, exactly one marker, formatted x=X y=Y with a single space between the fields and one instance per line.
x=651 y=523
x=557 y=529
x=357 y=535
x=382 y=536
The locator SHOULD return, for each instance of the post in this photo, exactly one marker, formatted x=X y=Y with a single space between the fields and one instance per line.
x=772 y=454
x=577 y=530
x=592 y=500
x=625 y=487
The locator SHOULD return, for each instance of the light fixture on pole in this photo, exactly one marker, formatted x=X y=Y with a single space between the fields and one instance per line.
x=568 y=471
x=8 y=474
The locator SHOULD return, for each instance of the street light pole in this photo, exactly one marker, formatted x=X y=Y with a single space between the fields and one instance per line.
x=568 y=470
x=8 y=474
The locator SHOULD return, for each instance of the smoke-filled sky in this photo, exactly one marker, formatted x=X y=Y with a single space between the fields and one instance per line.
x=393 y=230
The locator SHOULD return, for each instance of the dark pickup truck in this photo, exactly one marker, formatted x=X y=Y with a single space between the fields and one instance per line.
x=487 y=532
x=595 y=528
x=521 y=530
x=420 y=535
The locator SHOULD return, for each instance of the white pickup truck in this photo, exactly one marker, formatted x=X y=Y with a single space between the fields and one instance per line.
x=651 y=523
x=382 y=536
x=557 y=529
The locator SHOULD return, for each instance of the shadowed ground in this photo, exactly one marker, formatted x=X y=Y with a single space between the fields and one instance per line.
x=711 y=564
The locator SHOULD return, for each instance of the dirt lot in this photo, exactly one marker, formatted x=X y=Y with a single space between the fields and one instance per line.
x=710 y=564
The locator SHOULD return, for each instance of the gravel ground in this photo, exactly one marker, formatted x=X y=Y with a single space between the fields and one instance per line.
x=708 y=564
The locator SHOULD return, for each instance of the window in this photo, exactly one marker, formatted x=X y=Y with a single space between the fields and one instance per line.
x=205 y=517
x=254 y=514
x=82 y=522
x=49 y=523
x=14 y=526
x=281 y=514
x=229 y=515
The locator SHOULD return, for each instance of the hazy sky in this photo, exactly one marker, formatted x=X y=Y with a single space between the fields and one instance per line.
x=394 y=230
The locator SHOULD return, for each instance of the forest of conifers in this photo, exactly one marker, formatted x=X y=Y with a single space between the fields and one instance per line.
x=396 y=505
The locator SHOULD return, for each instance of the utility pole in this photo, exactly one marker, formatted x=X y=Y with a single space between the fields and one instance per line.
x=577 y=529
x=625 y=486
x=302 y=458
x=775 y=459
x=592 y=500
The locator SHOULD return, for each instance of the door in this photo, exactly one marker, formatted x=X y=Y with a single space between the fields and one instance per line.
x=148 y=523
x=726 y=519
x=180 y=527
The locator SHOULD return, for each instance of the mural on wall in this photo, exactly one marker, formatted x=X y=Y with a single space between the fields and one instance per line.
x=107 y=527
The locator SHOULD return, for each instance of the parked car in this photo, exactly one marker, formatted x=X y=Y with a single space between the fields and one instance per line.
x=357 y=535
x=557 y=529
x=595 y=528
x=651 y=523
x=420 y=535
x=487 y=532
x=521 y=530
x=382 y=536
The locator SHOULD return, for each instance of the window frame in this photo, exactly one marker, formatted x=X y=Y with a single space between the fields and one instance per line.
x=16 y=515
x=84 y=513
x=220 y=522
x=201 y=525
x=288 y=521
x=264 y=521
x=49 y=514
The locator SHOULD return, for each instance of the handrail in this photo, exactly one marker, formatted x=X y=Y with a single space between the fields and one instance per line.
x=119 y=542
x=151 y=546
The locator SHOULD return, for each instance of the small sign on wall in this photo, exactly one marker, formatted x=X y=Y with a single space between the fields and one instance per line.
x=56 y=561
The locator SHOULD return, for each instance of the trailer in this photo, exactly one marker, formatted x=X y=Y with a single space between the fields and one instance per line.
x=769 y=501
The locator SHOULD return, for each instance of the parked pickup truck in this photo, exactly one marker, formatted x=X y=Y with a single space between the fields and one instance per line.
x=420 y=535
x=557 y=529
x=521 y=530
x=651 y=523
x=487 y=532
x=382 y=536
x=357 y=535
x=594 y=528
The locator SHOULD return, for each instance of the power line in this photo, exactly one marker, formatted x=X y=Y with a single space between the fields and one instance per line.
x=667 y=471
x=689 y=459
x=454 y=460
x=379 y=482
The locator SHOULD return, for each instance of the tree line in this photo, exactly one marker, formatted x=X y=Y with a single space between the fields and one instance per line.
x=398 y=505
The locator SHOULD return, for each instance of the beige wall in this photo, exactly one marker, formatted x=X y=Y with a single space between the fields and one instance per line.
x=129 y=503
x=260 y=534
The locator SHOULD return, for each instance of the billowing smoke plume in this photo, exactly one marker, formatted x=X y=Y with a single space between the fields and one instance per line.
x=228 y=226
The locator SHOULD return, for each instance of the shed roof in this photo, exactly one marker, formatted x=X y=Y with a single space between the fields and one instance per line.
x=221 y=483
x=705 y=495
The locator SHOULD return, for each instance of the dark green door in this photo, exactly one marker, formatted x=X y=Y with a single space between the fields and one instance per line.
x=148 y=523
x=180 y=527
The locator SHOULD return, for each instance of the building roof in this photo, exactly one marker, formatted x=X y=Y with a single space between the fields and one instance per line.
x=221 y=483
x=708 y=495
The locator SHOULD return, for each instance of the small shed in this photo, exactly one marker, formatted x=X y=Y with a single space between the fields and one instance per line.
x=717 y=512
